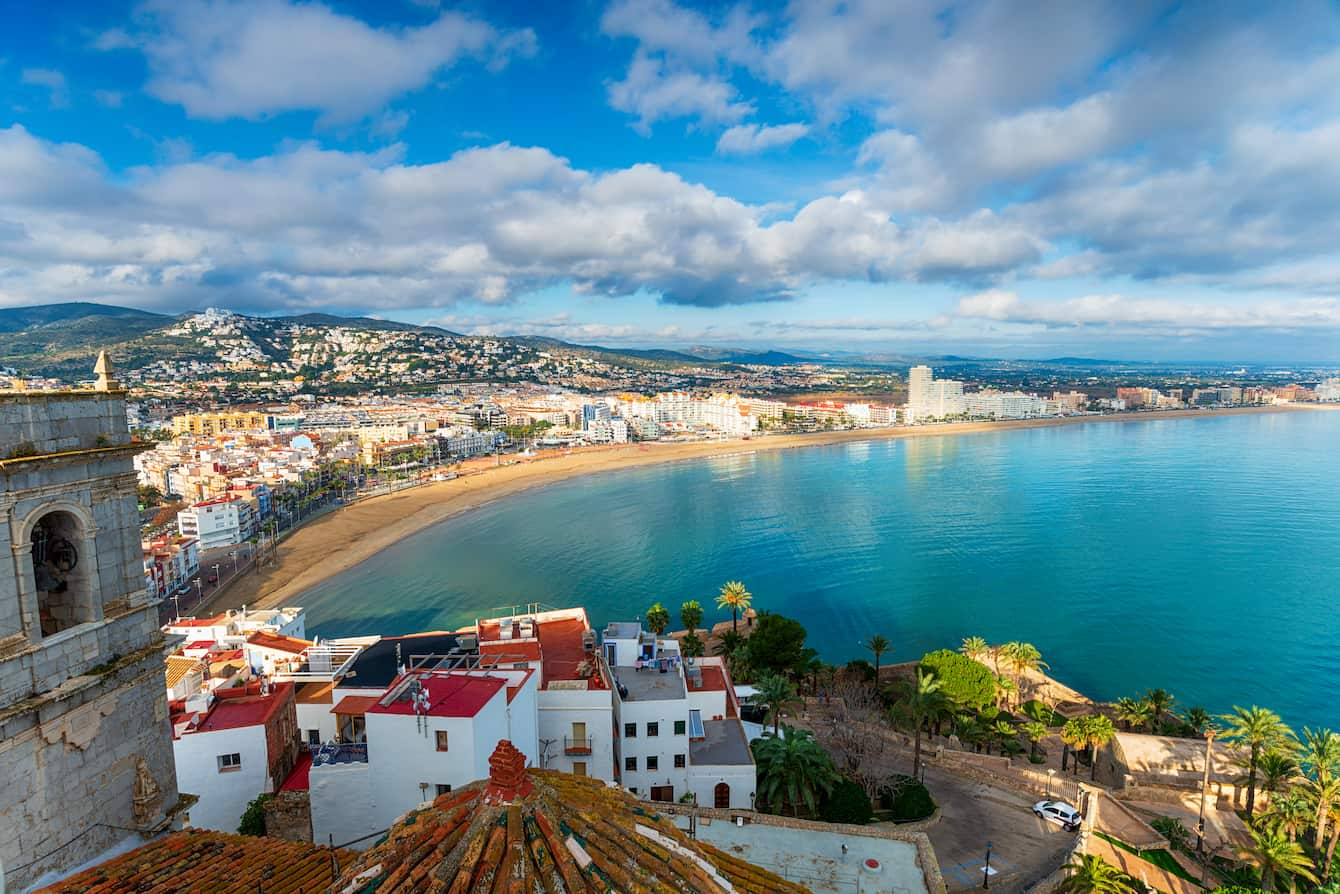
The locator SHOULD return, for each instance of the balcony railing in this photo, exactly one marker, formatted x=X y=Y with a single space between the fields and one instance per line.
x=341 y=753
x=576 y=746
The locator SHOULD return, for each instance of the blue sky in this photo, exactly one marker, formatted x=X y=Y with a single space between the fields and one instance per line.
x=1134 y=180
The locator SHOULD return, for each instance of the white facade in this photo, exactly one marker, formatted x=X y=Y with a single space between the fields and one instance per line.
x=224 y=791
x=1005 y=404
x=931 y=398
x=215 y=523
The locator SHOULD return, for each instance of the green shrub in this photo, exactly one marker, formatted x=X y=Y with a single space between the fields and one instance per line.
x=1236 y=889
x=1036 y=710
x=253 y=818
x=969 y=683
x=846 y=803
x=906 y=799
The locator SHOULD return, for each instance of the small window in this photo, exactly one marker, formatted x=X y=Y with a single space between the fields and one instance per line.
x=441 y=743
x=653 y=763
x=230 y=762
x=632 y=790
x=680 y=727
x=679 y=761
x=630 y=730
x=653 y=729
x=442 y=787
x=630 y=764
x=314 y=737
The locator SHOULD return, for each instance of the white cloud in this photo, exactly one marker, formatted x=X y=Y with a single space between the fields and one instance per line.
x=751 y=139
x=251 y=58
x=312 y=227
x=653 y=92
x=52 y=81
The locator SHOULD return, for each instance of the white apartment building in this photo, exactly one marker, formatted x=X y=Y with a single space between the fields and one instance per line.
x=1328 y=389
x=608 y=431
x=1004 y=404
x=678 y=722
x=220 y=522
x=931 y=398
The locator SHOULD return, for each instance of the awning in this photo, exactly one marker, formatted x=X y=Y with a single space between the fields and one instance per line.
x=355 y=704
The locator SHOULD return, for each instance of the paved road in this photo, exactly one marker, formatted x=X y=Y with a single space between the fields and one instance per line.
x=1023 y=847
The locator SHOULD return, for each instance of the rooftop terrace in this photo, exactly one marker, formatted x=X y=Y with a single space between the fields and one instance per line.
x=649 y=684
x=723 y=742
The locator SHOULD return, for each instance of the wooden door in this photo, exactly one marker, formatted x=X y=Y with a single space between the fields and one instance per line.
x=721 y=796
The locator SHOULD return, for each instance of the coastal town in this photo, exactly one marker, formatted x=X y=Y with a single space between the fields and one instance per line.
x=170 y=728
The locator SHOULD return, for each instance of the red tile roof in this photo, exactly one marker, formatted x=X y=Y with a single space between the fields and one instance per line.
x=561 y=643
x=540 y=830
x=449 y=695
x=195 y=861
x=248 y=710
x=290 y=644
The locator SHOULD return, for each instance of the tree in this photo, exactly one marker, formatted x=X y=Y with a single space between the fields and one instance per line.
x=1276 y=771
x=1291 y=812
x=778 y=694
x=1275 y=854
x=1036 y=731
x=968 y=682
x=1091 y=874
x=1023 y=657
x=735 y=597
x=1259 y=730
x=148 y=495
x=690 y=646
x=777 y=645
x=730 y=643
x=691 y=613
x=1197 y=718
x=658 y=619
x=877 y=646
x=1002 y=731
x=1134 y=713
x=1098 y=731
x=253 y=818
x=846 y=803
x=921 y=699
x=1160 y=702
x=974 y=647
x=1075 y=736
x=793 y=772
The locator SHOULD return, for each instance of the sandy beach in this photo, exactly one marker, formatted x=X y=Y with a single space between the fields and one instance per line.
x=340 y=540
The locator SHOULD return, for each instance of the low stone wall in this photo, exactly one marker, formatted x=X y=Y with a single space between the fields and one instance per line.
x=912 y=833
x=289 y=815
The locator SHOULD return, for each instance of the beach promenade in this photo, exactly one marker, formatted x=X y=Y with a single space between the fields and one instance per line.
x=340 y=540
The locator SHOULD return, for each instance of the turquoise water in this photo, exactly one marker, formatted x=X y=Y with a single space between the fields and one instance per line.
x=1199 y=555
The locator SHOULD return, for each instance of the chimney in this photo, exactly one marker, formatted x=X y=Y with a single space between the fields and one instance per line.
x=508 y=781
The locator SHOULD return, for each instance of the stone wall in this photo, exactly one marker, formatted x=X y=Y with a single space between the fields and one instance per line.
x=39 y=422
x=289 y=816
x=74 y=763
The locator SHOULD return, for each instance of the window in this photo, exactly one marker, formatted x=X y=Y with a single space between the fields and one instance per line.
x=653 y=763
x=630 y=764
x=441 y=743
x=579 y=768
x=314 y=737
x=443 y=788
x=630 y=730
x=653 y=729
x=230 y=762
x=680 y=727
x=679 y=761
x=632 y=790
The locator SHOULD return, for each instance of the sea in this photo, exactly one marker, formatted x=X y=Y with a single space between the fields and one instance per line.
x=1200 y=555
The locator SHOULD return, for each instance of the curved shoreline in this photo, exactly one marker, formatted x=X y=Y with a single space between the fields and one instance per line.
x=337 y=542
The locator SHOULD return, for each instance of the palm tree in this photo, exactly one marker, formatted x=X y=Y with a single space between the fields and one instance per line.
x=735 y=597
x=1277 y=770
x=778 y=694
x=1260 y=730
x=1291 y=812
x=1091 y=874
x=1073 y=735
x=658 y=619
x=1036 y=731
x=1135 y=714
x=691 y=613
x=1275 y=854
x=1002 y=731
x=921 y=700
x=974 y=647
x=730 y=643
x=1197 y=718
x=1160 y=702
x=792 y=771
x=877 y=645
x=1023 y=657
x=1098 y=731
x=1006 y=689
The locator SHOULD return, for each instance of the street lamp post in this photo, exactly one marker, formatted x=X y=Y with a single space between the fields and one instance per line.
x=986 y=869
x=1051 y=774
x=1204 y=791
x=216 y=576
x=176 y=601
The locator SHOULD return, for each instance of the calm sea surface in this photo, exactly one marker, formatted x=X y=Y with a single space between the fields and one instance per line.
x=1198 y=555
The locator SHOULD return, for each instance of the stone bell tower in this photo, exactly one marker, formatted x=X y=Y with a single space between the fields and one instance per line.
x=85 y=742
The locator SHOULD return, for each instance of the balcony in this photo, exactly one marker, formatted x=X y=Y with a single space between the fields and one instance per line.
x=341 y=753
x=576 y=746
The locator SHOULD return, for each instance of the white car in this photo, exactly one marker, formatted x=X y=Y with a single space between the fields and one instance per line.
x=1058 y=812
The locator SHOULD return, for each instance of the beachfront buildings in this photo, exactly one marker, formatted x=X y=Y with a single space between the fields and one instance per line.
x=990 y=404
x=220 y=522
x=931 y=398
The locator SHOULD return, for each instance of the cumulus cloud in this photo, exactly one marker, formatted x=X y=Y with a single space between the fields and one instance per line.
x=251 y=58
x=52 y=81
x=312 y=227
x=652 y=91
x=750 y=139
